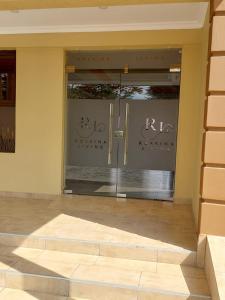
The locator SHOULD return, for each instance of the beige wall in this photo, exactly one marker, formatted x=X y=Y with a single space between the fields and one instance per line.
x=37 y=165
x=105 y=40
x=189 y=154
x=188 y=147
x=200 y=120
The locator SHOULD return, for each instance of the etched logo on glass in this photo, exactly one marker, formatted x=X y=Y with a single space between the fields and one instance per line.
x=88 y=134
x=155 y=135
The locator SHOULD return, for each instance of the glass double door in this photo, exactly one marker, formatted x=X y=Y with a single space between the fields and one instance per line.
x=121 y=134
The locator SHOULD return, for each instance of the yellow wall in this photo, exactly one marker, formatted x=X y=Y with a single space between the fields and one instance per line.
x=103 y=40
x=190 y=131
x=190 y=134
x=188 y=115
x=200 y=119
x=37 y=165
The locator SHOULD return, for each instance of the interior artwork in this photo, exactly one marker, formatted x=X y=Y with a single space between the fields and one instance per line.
x=122 y=126
x=7 y=100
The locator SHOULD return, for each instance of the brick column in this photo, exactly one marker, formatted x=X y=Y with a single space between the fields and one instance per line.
x=212 y=211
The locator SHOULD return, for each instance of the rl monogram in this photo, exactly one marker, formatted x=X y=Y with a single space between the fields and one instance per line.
x=158 y=126
x=156 y=135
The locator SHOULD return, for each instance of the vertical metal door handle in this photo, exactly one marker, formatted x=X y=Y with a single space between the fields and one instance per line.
x=110 y=133
x=126 y=135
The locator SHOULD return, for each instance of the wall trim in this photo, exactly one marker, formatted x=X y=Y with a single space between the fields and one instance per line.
x=101 y=28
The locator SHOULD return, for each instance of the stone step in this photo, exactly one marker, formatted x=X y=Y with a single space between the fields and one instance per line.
x=14 y=294
x=154 y=250
x=95 y=277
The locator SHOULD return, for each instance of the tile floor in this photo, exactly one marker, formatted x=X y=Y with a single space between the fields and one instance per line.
x=92 y=219
x=124 y=250
x=71 y=274
x=215 y=266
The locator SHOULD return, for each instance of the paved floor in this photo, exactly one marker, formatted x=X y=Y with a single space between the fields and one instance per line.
x=215 y=265
x=91 y=274
x=137 y=222
x=60 y=273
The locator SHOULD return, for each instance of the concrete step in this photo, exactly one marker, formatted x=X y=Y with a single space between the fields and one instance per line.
x=153 y=250
x=95 y=277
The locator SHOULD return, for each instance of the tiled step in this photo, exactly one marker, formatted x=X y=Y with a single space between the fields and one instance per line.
x=215 y=265
x=96 y=277
x=103 y=226
x=14 y=294
x=154 y=250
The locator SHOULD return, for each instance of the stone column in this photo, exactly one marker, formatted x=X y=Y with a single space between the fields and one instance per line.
x=212 y=211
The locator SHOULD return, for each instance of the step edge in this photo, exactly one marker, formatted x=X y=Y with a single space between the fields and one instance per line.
x=98 y=243
x=135 y=288
x=38 y=293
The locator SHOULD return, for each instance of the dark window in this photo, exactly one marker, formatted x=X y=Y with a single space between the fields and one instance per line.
x=7 y=100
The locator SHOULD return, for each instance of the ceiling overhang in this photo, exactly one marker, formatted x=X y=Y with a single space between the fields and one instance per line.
x=37 y=4
x=105 y=18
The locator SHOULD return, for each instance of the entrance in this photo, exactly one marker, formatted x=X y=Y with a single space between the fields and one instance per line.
x=122 y=123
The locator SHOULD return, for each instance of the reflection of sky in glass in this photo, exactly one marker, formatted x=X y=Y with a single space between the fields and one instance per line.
x=143 y=95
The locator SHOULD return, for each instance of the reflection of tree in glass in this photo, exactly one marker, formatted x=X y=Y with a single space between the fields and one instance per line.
x=7 y=140
x=102 y=91
x=93 y=91
x=162 y=92
x=112 y=91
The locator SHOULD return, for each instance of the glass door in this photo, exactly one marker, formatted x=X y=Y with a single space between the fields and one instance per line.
x=92 y=153
x=149 y=117
x=121 y=133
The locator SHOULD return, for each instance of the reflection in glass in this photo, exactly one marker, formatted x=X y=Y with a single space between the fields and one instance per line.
x=7 y=100
x=97 y=126
x=109 y=91
x=149 y=92
x=4 y=86
x=93 y=91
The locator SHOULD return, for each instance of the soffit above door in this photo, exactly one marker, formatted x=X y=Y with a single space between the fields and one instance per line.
x=37 y=4
x=104 y=18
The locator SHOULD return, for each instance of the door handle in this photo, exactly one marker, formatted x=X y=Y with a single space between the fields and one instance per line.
x=110 y=133
x=118 y=134
x=125 y=159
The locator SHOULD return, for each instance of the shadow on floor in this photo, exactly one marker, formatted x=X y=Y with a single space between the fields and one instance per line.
x=169 y=223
